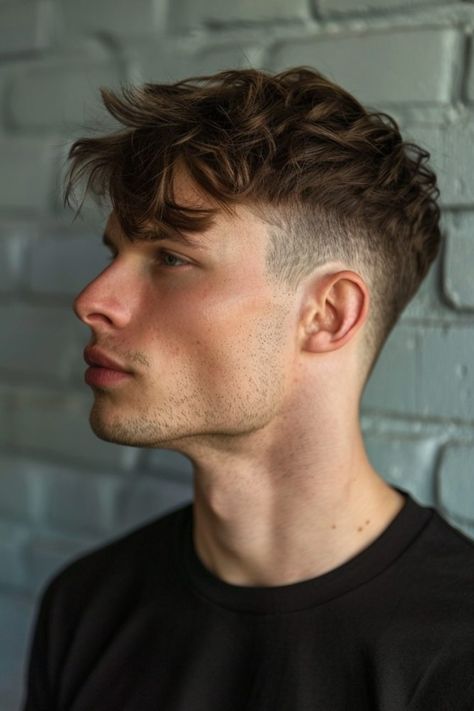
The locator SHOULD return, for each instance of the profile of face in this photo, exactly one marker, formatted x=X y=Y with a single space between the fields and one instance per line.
x=206 y=335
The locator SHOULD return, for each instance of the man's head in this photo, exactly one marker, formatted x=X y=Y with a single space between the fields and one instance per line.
x=280 y=178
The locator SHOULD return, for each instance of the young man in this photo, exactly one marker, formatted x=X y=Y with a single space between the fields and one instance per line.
x=266 y=233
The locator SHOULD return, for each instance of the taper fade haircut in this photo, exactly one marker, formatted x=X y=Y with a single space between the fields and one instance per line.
x=334 y=180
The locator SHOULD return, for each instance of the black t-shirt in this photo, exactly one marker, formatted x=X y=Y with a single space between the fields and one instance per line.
x=141 y=624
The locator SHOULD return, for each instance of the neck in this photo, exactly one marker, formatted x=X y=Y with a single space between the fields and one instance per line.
x=253 y=527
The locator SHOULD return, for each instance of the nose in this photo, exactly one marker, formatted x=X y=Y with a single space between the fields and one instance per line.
x=103 y=302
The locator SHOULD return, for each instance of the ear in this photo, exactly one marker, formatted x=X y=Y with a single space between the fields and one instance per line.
x=336 y=307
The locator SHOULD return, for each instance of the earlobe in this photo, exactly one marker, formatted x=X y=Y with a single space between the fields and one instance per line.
x=339 y=312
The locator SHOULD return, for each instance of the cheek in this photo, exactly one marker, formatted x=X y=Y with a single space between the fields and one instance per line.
x=248 y=346
x=185 y=329
x=220 y=330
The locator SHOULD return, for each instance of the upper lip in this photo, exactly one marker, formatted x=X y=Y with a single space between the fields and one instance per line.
x=94 y=356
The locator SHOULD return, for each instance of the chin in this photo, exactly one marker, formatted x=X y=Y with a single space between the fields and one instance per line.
x=105 y=430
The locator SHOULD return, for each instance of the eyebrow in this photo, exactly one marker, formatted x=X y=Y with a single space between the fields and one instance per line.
x=180 y=237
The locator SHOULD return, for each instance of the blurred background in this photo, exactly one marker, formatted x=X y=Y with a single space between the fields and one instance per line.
x=62 y=490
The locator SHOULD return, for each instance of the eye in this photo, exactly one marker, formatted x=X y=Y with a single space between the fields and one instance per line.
x=161 y=254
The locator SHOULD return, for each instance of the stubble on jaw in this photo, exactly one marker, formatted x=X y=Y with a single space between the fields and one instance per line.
x=251 y=395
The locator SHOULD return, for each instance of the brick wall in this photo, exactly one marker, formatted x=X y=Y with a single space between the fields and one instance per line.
x=62 y=490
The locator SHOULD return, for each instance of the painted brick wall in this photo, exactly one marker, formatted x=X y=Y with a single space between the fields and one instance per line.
x=62 y=490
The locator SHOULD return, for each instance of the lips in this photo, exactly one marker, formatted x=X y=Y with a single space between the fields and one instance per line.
x=95 y=357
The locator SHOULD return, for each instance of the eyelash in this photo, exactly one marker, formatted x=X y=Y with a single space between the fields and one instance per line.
x=160 y=252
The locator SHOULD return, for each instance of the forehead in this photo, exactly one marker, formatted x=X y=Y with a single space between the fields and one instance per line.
x=187 y=192
x=234 y=229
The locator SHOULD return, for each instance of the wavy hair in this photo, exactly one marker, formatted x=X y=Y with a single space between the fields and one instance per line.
x=334 y=180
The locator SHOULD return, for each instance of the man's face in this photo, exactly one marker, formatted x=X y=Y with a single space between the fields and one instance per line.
x=208 y=338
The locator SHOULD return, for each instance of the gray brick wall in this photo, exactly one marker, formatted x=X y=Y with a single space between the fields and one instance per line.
x=62 y=490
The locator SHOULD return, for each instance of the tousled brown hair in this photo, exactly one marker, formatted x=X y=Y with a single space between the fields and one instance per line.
x=335 y=181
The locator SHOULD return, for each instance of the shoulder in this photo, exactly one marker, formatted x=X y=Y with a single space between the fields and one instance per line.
x=433 y=593
x=121 y=563
x=436 y=575
x=86 y=601
x=447 y=550
x=425 y=648
x=431 y=587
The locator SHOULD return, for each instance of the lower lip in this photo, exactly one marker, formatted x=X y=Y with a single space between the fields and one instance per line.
x=105 y=377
